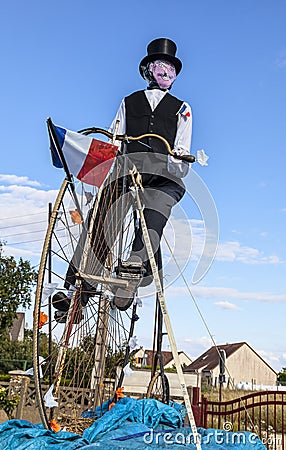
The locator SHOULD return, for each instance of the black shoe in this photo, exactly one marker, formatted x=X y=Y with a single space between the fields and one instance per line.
x=60 y=316
x=61 y=302
x=122 y=303
x=124 y=297
x=146 y=280
x=132 y=271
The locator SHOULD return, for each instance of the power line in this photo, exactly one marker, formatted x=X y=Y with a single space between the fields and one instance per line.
x=22 y=224
x=26 y=215
x=59 y=230
x=20 y=234
x=24 y=242
x=35 y=240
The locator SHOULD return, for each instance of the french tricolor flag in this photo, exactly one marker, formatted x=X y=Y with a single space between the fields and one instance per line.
x=184 y=111
x=88 y=159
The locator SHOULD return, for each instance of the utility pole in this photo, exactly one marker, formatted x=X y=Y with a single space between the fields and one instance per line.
x=221 y=380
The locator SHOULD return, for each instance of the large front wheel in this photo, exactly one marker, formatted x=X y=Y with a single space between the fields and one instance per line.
x=79 y=354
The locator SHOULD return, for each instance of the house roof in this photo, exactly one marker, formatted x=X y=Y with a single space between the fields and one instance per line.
x=167 y=356
x=210 y=359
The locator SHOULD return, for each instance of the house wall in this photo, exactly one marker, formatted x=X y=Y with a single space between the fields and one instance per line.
x=138 y=357
x=245 y=366
x=18 y=327
x=138 y=381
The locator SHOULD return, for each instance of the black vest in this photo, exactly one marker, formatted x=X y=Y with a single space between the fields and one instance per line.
x=140 y=119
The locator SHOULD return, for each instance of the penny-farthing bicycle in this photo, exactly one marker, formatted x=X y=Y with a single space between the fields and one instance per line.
x=81 y=353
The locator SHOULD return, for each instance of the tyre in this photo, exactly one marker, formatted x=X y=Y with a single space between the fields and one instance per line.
x=80 y=337
x=159 y=388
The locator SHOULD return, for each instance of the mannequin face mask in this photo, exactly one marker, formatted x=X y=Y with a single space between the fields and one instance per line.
x=163 y=72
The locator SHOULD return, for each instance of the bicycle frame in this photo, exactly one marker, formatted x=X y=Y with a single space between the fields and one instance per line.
x=161 y=315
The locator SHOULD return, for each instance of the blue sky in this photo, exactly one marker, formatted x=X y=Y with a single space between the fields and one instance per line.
x=75 y=61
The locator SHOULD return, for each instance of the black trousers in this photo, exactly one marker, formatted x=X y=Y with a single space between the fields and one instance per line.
x=159 y=196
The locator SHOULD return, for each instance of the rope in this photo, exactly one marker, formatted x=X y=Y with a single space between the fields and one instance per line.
x=205 y=323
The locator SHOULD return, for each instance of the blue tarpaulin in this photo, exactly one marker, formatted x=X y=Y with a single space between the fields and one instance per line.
x=130 y=424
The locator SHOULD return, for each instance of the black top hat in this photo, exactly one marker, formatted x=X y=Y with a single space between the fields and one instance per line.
x=161 y=48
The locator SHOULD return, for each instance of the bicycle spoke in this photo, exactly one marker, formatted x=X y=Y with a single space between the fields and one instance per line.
x=80 y=360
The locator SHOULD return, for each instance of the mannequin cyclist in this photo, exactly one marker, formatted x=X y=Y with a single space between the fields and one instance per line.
x=153 y=110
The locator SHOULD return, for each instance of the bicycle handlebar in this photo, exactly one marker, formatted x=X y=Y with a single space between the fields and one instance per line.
x=123 y=137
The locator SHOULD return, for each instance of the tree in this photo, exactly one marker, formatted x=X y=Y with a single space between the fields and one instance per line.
x=16 y=282
x=14 y=354
x=282 y=376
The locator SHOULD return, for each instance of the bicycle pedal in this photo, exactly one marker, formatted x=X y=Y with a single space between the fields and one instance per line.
x=133 y=264
x=130 y=276
x=127 y=269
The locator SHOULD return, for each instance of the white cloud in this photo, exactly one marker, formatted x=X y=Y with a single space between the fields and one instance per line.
x=23 y=221
x=221 y=293
x=274 y=359
x=233 y=251
x=15 y=179
x=187 y=237
x=16 y=199
x=227 y=305
x=203 y=341
x=21 y=203
x=194 y=347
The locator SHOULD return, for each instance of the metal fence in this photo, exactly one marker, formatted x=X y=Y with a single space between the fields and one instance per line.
x=262 y=413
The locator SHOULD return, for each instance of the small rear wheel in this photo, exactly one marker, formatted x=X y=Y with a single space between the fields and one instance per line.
x=159 y=388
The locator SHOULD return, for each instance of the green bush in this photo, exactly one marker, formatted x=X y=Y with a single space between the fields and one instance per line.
x=5 y=377
x=8 y=404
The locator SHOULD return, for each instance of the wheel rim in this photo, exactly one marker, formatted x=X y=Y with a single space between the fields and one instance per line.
x=79 y=362
x=159 y=388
